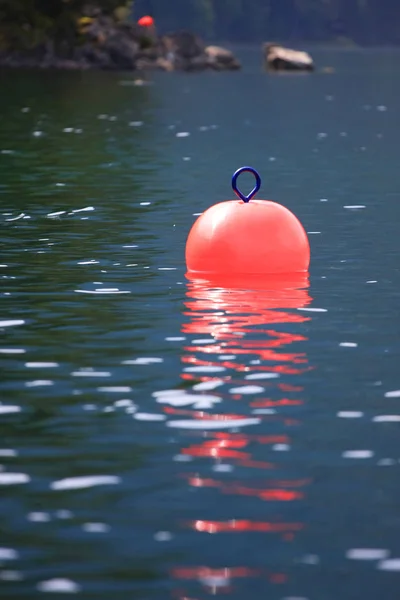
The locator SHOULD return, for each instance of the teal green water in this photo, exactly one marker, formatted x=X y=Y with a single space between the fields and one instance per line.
x=162 y=439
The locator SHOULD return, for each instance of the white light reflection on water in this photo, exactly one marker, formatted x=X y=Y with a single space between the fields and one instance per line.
x=38 y=517
x=87 y=481
x=39 y=383
x=8 y=554
x=9 y=409
x=59 y=586
x=386 y=419
x=205 y=369
x=366 y=554
x=103 y=291
x=90 y=373
x=358 y=454
x=115 y=389
x=247 y=389
x=393 y=394
x=185 y=399
x=350 y=414
x=142 y=416
x=8 y=453
x=205 y=386
x=11 y=322
x=41 y=365
x=14 y=478
x=212 y=424
x=143 y=361
x=96 y=527
x=392 y=564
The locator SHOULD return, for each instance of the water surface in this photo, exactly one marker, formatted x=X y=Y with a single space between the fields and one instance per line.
x=161 y=438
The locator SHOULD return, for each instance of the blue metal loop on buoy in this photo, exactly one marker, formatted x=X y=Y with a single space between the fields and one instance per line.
x=253 y=191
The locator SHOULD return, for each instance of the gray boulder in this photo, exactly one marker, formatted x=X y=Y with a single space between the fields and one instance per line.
x=221 y=59
x=122 y=51
x=185 y=51
x=181 y=49
x=279 y=58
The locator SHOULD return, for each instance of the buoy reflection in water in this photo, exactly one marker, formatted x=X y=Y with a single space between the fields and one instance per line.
x=248 y=350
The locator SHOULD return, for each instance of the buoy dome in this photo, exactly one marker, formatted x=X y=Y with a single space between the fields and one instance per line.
x=146 y=21
x=236 y=237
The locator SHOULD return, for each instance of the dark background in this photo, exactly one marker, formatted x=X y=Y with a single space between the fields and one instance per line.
x=366 y=22
x=363 y=22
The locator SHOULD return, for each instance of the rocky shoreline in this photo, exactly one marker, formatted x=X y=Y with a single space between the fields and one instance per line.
x=109 y=45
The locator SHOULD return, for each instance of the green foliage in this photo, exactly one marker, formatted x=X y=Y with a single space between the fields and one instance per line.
x=26 y=24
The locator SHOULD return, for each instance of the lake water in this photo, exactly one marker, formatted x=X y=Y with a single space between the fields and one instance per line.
x=163 y=439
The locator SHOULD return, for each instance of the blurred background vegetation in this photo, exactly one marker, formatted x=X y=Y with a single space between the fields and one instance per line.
x=27 y=23
x=358 y=21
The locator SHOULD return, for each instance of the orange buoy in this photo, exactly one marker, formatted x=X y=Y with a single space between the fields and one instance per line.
x=242 y=237
x=146 y=21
